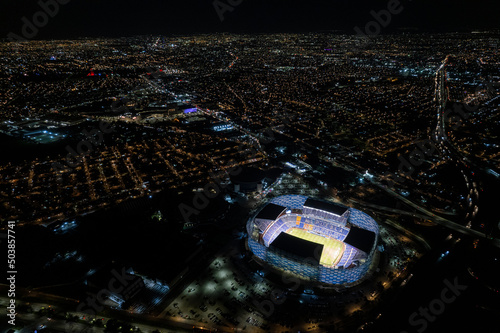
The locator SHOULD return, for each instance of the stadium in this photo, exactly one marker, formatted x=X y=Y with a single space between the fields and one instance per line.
x=313 y=239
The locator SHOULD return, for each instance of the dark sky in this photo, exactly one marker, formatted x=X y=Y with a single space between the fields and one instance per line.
x=80 y=18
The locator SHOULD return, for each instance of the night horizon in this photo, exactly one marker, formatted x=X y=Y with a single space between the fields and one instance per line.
x=122 y=19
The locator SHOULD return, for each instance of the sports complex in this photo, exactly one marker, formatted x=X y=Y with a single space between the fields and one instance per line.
x=314 y=239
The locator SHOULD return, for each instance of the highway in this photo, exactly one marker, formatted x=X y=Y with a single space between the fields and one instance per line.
x=448 y=150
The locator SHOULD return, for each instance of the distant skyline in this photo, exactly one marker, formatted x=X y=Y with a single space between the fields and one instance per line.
x=114 y=18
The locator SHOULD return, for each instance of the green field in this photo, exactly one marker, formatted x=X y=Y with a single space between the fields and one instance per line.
x=332 y=248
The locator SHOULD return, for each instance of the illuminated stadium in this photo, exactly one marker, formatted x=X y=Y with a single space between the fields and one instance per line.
x=314 y=239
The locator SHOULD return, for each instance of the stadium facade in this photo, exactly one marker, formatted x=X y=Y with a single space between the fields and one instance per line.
x=314 y=239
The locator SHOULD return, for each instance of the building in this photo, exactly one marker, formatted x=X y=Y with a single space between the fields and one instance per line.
x=314 y=239
x=248 y=180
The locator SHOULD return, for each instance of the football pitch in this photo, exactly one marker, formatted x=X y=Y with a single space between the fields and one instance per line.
x=332 y=248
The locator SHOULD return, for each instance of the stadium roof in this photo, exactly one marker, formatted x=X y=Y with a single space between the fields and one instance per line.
x=360 y=238
x=297 y=246
x=326 y=206
x=270 y=212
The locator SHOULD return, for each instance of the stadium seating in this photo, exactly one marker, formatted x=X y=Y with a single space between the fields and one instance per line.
x=348 y=256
